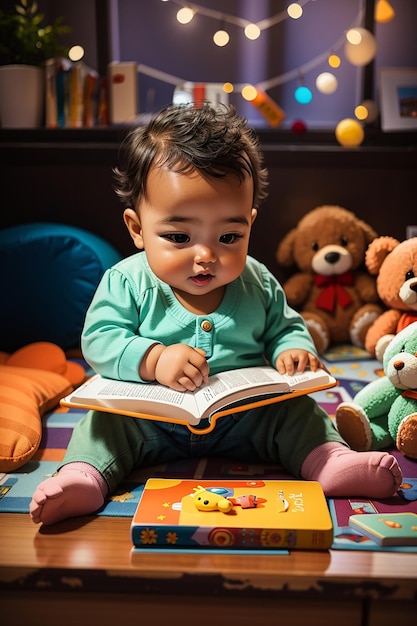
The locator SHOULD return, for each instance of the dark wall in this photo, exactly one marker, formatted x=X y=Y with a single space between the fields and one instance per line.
x=66 y=177
x=378 y=185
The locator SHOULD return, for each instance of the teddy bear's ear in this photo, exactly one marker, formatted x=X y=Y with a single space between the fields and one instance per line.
x=377 y=252
x=285 y=249
x=368 y=231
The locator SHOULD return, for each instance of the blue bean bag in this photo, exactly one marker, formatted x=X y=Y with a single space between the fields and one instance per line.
x=49 y=273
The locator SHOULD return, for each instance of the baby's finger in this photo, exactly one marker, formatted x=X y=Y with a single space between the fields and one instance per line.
x=199 y=361
x=314 y=362
x=289 y=364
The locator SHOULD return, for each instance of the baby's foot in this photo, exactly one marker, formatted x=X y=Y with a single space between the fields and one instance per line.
x=72 y=492
x=344 y=472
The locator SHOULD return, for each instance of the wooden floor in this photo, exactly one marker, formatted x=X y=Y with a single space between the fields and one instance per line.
x=82 y=571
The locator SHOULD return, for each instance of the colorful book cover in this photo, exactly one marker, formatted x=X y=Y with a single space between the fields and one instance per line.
x=232 y=514
x=387 y=529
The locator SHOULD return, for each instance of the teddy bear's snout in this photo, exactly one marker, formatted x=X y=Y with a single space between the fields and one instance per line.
x=332 y=257
x=408 y=292
x=398 y=365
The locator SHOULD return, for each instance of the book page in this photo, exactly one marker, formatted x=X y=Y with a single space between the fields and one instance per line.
x=249 y=383
x=308 y=379
x=226 y=389
x=137 y=397
x=237 y=384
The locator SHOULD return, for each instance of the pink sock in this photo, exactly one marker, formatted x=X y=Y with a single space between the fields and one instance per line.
x=345 y=472
x=77 y=489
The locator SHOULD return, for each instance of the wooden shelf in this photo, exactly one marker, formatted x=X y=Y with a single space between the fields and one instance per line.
x=85 y=565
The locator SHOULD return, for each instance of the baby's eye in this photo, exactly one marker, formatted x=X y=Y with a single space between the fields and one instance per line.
x=177 y=237
x=229 y=237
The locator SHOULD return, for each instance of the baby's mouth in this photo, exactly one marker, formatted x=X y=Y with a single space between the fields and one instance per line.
x=202 y=279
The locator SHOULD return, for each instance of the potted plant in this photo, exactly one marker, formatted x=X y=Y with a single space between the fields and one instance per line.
x=25 y=45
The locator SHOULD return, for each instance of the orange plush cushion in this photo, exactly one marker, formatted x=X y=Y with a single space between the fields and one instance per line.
x=32 y=382
x=25 y=395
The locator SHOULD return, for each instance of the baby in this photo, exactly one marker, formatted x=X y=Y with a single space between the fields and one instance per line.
x=192 y=302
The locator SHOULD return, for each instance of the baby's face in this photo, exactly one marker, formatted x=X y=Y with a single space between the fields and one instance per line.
x=195 y=231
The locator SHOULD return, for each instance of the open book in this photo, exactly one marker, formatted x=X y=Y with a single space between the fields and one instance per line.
x=224 y=393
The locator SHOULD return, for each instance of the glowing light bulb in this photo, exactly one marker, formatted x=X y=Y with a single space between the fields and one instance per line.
x=76 y=53
x=326 y=83
x=249 y=92
x=185 y=15
x=228 y=88
x=221 y=38
x=294 y=10
x=349 y=133
x=361 y=112
x=367 y=111
x=354 y=36
x=334 y=61
x=360 y=46
x=383 y=12
x=252 y=31
x=303 y=95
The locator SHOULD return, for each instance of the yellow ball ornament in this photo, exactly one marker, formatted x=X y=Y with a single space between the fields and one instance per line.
x=349 y=133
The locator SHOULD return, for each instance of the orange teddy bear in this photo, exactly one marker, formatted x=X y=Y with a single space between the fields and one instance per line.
x=395 y=265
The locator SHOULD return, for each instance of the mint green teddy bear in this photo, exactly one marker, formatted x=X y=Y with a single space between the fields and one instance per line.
x=385 y=411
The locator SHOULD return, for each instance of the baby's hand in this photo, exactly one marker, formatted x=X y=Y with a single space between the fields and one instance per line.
x=182 y=367
x=290 y=361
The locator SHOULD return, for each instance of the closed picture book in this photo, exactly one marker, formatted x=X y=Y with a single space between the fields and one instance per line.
x=387 y=529
x=224 y=393
x=231 y=514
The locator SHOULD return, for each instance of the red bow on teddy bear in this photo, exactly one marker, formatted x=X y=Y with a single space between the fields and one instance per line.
x=333 y=292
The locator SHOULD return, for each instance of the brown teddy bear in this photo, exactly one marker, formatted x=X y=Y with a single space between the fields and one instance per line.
x=332 y=290
x=395 y=265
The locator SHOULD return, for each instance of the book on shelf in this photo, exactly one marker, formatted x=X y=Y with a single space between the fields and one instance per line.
x=387 y=529
x=71 y=94
x=187 y=514
x=224 y=393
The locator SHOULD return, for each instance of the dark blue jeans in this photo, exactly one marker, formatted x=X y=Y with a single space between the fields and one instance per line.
x=283 y=433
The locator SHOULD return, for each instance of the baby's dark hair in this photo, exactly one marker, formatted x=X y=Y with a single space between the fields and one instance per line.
x=216 y=142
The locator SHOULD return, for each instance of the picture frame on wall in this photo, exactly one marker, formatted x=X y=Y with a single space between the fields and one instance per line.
x=398 y=99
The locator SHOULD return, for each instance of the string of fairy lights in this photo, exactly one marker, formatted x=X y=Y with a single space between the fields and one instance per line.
x=252 y=31
x=359 y=46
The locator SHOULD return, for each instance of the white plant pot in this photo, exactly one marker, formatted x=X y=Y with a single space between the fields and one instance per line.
x=22 y=90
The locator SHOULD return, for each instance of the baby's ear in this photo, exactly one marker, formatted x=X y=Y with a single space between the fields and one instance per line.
x=133 y=224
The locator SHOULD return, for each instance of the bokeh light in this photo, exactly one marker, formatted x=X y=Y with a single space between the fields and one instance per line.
x=334 y=61
x=303 y=95
x=221 y=38
x=249 y=92
x=252 y=31
x=185 y=15
x=76 y=53
x=349 y=133
x=360 y=46
x=326 y=83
